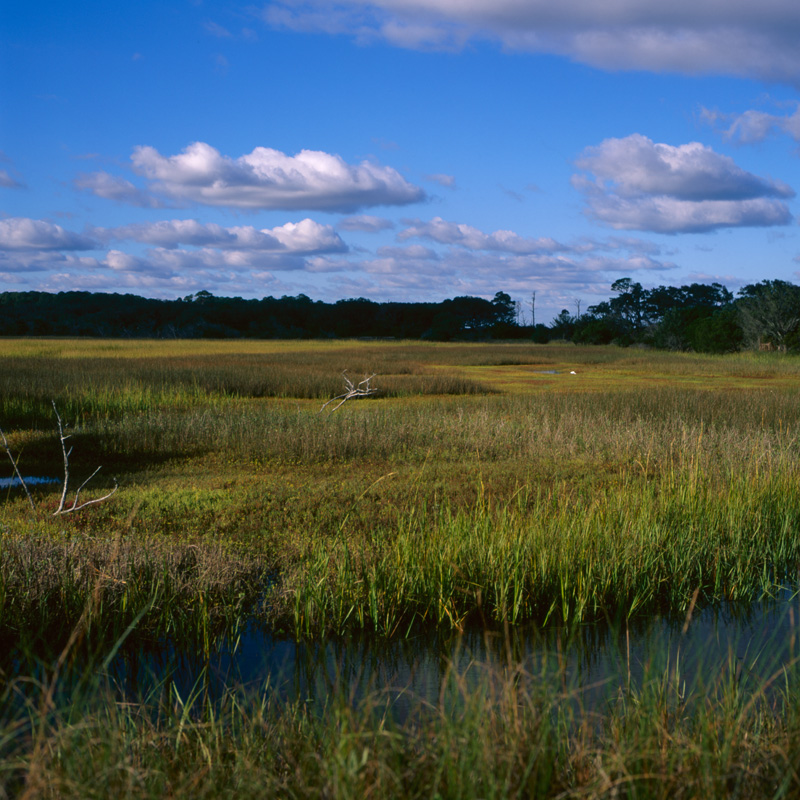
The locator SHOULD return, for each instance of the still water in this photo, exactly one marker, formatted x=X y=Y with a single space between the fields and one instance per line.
x=30 y=480
x=757 y=646
x=753 y=646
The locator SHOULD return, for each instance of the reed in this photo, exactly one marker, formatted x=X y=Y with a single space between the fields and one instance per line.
x=476 y=490
x=194 y=593
x=494 y=731
x=548 y=505
x=545 y=556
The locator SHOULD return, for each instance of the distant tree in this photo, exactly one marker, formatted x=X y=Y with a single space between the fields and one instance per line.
x=769 y=313
x=590 y=329
x=563 y=325
x=628 y=314
x=718 y=333
x=504 y=309
x=540 y=333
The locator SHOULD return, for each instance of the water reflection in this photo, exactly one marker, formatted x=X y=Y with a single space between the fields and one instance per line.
x=30 y=480
x=592 y=662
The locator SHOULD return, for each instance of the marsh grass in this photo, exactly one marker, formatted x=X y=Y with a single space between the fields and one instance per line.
x=495 y=730
x=193 y=593
x=475 y=491
x=549 y=557
x=451 y=509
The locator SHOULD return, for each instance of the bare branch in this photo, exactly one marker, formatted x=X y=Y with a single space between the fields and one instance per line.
x=65 y=488
x=16 y=470
x=76 y=507
x=65 y=455
x=363 y=389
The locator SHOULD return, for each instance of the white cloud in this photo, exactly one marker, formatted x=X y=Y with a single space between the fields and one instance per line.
x=7 y=182
x=462 y=271
x=415 y=252
x=309 y=237
x=448 y=181
x=43 y=261
x=642 y=185
x=125 y=262
x=28 y=245
x=171 y=233
x=269 y=179
x=668 y=215
x=176 y=260
x=754 y=126
x=735 y=37
x=22 y=233
x=365 y=223
x=111 y=187
x=306 y=236
x=439 y=230
x=638 y=166
x=215 y=29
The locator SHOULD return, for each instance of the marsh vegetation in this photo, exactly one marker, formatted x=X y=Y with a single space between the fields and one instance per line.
x=484 y=487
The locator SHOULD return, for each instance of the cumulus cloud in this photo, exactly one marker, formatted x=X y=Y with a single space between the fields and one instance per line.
x=753 y=126
x=125 y=262
x=180 y=249
x=735 y=37
x=178 y=260
x=667 y=215
x=270 y=179
x=7 y=182
x=365 y=223
x=461 y=259
x=306 y=236
x=638 y=184
x=20 y=261
x=415 y=252
x=112 y=187
x=181 y=256
x=448 y=181
x=638 y=166
x=215 y=29
x=22 y=233
x=463 y=271
x=309 y=237
x=439 y=230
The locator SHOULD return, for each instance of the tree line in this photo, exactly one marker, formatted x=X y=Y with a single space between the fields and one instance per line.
x=699 y=317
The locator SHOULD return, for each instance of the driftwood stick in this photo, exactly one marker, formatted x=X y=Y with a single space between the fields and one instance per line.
x=76 y=507
x=16 y=469
x=362 y=389
x=65 y=454
x=65 y=489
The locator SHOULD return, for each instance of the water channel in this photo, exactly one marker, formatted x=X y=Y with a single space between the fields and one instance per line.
x=758 y=646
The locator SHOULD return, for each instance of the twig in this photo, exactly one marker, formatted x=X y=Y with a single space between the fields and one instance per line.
x=65 y=487
x=16 y=469
x=362 y=389
x=66 y=454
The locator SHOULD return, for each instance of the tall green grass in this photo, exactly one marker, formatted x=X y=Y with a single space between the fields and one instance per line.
x=549 y=507
x=193 y=593
x=448 y=501
x=495 y=731
x=651 y=546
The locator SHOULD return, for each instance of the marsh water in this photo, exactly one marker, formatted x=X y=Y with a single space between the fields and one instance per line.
x=30 y=480
x=758 y=645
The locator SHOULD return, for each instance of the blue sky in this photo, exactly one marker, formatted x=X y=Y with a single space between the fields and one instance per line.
x=398 y=149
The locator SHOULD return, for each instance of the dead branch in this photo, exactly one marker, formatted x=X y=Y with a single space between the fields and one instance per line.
x=361 y=389
x=65 y=488
x=16 y=470
x=65 y=454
